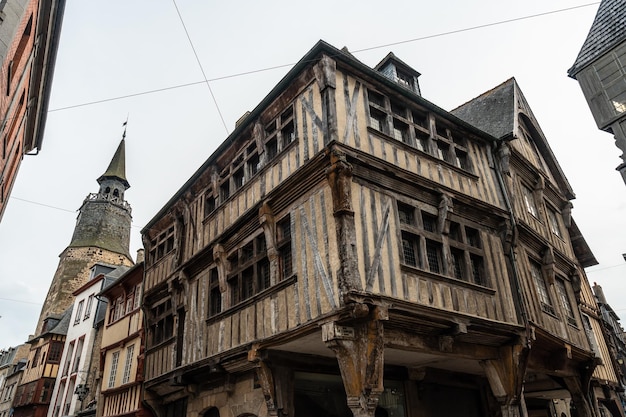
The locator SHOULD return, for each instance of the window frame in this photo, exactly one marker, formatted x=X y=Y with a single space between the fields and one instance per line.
x=564 y=299
x=161 y=245
x=458 y=254
x=128 y=363
x=412 y=126
x=541 y=288
x=215 y=293
x=284 y=232
x=530 y=202
x=554 y=224
x=161 y=327
x=115 y=357
x=79 y=312
x=248 y=264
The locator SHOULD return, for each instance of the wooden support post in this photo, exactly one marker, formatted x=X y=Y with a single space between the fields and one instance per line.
x=266 y=380
x=360 y=351
x=277 y=384
x=579 y=397
x=506 y=377
x=326 y=74
x=339 y=176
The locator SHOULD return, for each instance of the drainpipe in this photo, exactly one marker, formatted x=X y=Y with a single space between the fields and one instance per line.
x=509 y=207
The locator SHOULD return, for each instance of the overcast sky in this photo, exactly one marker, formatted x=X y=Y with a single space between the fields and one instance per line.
x=111 y=52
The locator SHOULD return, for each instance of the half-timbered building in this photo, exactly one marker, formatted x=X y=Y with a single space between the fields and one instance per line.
x=120 y=391
x=32 y=396
x=548 y=254
x=354 y=249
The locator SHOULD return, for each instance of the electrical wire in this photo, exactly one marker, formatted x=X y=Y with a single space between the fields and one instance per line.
x=54 y=207
x=200 y=65
x=265 y=69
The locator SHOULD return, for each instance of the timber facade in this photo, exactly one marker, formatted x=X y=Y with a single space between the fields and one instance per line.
x=120 y=373
x=353 y=249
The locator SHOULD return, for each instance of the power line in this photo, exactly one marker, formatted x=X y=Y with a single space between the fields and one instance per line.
x=606 y=267
x=20 y=301
x=452 y=32
x=265 y=69
x=200 y=65
x=53 y=207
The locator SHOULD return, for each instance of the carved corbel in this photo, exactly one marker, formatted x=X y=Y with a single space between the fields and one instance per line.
x=548 y=265
x=508 y=235
x=258 y=133
x=360 y=354
x=266 y=380
x=445 y=208
x=326 y=73
x=221 y=261
x=576 y=387
x=504 y=155
x=268 y=223
x=574 y=277
x=340 y=178
x=506 y=377
x=567 y=214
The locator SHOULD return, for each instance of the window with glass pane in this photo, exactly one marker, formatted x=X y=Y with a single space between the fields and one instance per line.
x=542 y=289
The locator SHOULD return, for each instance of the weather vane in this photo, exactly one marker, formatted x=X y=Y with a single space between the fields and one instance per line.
x=124 y=124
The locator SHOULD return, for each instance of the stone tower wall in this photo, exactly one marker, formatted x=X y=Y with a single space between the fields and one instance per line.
x=73 y=272
x=103 y=224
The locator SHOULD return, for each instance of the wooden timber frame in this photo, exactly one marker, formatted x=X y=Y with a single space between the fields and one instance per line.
x=342 y=297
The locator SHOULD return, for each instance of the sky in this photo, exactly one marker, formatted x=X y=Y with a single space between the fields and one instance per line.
x=146 y=61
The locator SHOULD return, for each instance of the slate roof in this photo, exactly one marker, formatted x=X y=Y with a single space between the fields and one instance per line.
x=492 y=111
x=607 y=31
x=117 y=167
x=498 y=111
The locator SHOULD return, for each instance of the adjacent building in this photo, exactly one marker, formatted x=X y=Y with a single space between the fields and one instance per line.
x=101 y=238
x=12 y=381
x=75 y=381
x=12 y=362
x=600 y=69
x=352 y=249
x=122 y=348
x=32 y=396
x=29 y=37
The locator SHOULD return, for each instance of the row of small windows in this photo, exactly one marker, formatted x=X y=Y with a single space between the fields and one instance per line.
x=249 y=273
x=532 y=208
x=125 y=303
x=458 y=255
x=161 y=245
x=545 y=299
x=250 y=268
x=414 y=128
x=279 y=134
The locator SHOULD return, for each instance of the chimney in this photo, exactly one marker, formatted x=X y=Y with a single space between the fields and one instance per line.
x=140 y=256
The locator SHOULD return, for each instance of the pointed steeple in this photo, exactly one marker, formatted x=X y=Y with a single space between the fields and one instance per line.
x=117 y=167
x=105 y=217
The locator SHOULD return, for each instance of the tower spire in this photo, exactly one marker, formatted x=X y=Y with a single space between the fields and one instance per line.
x=117 y=167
